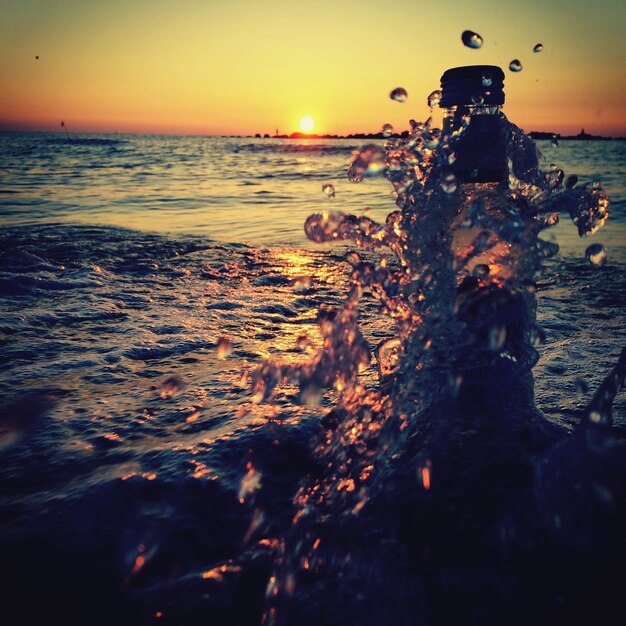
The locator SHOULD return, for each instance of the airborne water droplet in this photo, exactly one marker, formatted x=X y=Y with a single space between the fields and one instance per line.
x=224 y=348
x=537 y=336
x=596 y=254
x=481 y=270
x=329 y=190
x=582 y=387
x=538 y=47
x=515 y=65
x=448 y=184
x=399 y=94
x=353 y=258
x=434 y=98
x=471 y=39
x=497 y=337
x=387 y=130
x=487 y=81
x=368 y=162
x=170 y=387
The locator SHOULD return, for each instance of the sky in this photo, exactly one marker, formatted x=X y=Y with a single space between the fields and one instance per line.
x=245 y=66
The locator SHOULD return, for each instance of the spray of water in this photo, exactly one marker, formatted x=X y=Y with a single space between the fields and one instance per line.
x=452 y=269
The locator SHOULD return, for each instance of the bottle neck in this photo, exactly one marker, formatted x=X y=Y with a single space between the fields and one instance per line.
x=480 y=150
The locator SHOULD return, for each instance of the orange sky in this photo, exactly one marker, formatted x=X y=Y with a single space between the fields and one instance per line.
x=243 y=66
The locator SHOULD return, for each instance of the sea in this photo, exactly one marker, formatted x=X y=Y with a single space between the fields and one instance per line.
x=143 y=281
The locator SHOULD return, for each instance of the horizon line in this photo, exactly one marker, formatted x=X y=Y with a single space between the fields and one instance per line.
x=547 y=135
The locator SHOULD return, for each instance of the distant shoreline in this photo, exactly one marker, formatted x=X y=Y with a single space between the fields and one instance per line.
x=582 y=136
x=540 y=135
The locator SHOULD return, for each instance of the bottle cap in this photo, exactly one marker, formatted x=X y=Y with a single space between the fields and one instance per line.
x=471 y=84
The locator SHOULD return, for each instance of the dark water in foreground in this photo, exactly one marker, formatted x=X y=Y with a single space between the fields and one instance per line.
x=140 y=484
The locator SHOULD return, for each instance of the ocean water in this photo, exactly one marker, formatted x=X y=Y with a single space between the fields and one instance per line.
x=143 y=279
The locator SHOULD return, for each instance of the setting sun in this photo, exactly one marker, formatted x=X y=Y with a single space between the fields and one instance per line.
x=307 y=124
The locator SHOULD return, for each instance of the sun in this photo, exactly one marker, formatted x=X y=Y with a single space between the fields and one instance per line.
x=307 y=124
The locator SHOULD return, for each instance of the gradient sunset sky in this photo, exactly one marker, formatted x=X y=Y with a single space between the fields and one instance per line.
x=246 y=66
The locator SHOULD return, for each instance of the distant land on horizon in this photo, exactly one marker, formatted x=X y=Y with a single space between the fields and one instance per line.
x=535 y=134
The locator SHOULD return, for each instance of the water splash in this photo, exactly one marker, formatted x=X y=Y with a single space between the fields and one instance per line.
x=515 y=65
x=452 y=270
x=366 y=163
x=434 y=98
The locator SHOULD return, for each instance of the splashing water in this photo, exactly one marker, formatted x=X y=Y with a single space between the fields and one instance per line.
x=434 y=98
x=366 y=163
x=515 y=65
x=452 y=270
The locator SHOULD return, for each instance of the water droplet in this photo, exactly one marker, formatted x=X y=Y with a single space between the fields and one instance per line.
x=367 y=163
x=170 y=387
x=304 y=344
x=537 y=336
x=303 y=282
x=555 y=177
x=595 y=417
x=353 y=258
x=329 y=190
x=538 y=47
x=399 y=94
x=515 y=65
x=424 y=474
x=311 y=395
x=224 y=348
x=431 y=139
x=596 y=254
x=552 y=219
x=582 y=387
x=387 y=130
x=471 y=39
x=481 y=270
x=249 y=483
x=497 y=337
x=389 y=353
x=434 y=98
x=449 y=184
x=487 y=81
